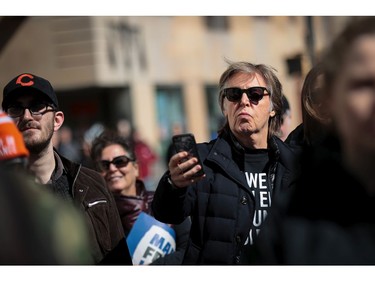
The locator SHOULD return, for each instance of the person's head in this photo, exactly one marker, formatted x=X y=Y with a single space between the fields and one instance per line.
x=177 y=128
x=13 y=153
x=124 y=128
x=256 y=112
x=350 y=82
x=286 y=119
x=66 y=134
x=32 y=103
x=38 y=227
x=115 y=160
x=314 y=104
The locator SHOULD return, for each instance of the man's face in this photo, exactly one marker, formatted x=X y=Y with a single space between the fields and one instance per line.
x=244 y=117
x=37 y=130
x=354 y=95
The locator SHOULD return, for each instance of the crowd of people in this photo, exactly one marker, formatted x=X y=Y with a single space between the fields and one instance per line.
x=268 y=195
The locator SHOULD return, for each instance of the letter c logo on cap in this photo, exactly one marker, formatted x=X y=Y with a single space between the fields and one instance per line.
x=28 y=83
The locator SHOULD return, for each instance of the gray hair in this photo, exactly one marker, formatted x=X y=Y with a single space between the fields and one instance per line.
x=273 y=86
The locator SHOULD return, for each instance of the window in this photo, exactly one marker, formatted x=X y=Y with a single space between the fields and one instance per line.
x=215 y=116
x=217 y=23
x=170 y=111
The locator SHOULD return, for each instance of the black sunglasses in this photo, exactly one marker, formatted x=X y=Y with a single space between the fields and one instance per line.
x=254 y=94
x=119 y=162
x=36 y=109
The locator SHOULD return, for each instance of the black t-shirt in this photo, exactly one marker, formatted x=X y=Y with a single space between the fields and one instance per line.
x=256 y=172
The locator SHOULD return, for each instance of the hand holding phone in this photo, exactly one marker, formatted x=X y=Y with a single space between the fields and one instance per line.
x=186 y=142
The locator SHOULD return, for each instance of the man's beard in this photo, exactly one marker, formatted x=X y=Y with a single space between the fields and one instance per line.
x=38 y=146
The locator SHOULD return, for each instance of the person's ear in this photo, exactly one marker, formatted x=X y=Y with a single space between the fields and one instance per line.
x=58 y=120
x=223 y=110
x=272 y=113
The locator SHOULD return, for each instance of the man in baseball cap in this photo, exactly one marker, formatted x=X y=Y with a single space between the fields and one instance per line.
x=31 y=83
x=32 y=103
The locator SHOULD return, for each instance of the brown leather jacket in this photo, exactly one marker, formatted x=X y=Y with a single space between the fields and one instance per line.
x=91 y=195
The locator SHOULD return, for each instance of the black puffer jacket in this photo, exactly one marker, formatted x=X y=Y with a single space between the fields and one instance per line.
x=221 y=206
x=327 y=220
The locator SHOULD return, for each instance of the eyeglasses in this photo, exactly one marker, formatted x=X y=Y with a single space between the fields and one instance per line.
x=36 y=109
x=254 y=94
x=119 y=162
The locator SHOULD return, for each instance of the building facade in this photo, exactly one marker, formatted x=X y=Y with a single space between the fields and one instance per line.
x=158 y=71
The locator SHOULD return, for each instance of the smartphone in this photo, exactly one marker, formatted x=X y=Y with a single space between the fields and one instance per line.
x=186 y=142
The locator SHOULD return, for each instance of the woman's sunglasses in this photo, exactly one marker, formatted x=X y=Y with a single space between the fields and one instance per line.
x=119 y=162
x=254 y=94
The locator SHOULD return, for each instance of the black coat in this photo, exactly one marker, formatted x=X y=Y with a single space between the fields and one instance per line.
x=327 y=220
x=221 y=205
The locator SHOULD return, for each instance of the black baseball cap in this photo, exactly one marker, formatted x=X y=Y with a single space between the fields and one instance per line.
x=28 y=83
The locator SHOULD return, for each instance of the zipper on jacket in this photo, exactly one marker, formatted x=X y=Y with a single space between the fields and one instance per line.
x=96 y=202
x=76 y=176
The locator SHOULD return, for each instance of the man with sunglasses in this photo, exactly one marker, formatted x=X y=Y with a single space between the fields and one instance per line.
x=247 y=168
x=32 y=103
